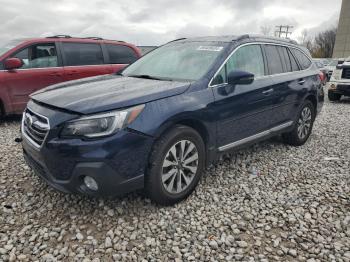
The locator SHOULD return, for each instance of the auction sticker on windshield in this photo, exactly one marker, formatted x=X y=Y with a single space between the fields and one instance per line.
x=210 y=48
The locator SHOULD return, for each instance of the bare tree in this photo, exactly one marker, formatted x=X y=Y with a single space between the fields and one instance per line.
x=321 y=46
x=306 y=40
x=265 y=30
x=303 y=37
x=324 y=43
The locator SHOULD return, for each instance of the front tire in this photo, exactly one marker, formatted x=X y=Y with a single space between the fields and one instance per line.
x=176 y=165
x=303 y=127
x=2 y=113
x=333 y=97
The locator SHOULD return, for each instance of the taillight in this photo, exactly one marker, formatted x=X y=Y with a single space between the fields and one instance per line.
x=322 y=76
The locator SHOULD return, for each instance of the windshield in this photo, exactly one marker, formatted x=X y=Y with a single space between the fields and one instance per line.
x=333 y=63
x=177 y=61
x=9 y=45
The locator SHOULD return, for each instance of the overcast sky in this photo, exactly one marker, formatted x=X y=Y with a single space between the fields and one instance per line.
x=157 y=21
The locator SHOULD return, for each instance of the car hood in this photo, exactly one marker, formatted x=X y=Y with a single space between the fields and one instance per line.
x=104 y=93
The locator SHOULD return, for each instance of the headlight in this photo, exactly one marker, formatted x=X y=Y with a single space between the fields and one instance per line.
x=101 y=124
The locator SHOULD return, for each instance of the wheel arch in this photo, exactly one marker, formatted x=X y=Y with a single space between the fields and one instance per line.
x=313 y=100
x=204 y=130
x=195 y=124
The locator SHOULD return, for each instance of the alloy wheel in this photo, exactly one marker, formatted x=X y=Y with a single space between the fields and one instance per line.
x=179 y=166
x=304 y=123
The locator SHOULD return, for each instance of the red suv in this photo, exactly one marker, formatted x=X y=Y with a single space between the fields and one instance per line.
x=31 y=64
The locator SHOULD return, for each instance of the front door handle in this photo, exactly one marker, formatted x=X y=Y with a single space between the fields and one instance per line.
x=56 y=74
x=268 y=92
x=301 y=82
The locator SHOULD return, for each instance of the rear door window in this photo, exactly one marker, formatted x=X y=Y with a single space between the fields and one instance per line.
x=294 y=63
x=283 y=52
x=80 y=54
x=38 y=56
x=303 y=60
x=120 y=54
x=274 y=60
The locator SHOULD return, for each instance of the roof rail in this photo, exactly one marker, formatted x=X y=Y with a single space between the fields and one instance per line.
x=93 y=38
x=241 y=37
x=179 y=39
x=88 y=37
x=59 y=36
x=288 y=40
x=107 y=39
x=292 y=41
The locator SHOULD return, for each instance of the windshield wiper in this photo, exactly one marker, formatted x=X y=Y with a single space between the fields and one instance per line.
x=149 y=77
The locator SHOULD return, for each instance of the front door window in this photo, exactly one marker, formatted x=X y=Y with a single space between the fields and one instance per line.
x=247 y=58
x=38 y=56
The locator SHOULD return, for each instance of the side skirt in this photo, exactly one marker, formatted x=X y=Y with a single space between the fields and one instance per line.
x=255 y=137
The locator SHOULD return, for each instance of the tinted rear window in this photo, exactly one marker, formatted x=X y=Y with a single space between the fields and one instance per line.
x=274 y=61
x=303 y=60
x=283 y=52
x=120 y=54
x=82 y=54
x=294 y=63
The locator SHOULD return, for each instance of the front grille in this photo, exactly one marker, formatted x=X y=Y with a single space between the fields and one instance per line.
x=35 y=127
x=346 y=73
x=344 y=89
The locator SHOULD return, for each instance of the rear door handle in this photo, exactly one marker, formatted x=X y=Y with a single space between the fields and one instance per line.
x=268 y=92
x=301 y=82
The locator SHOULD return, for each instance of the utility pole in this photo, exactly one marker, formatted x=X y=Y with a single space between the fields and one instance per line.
x=283 y=30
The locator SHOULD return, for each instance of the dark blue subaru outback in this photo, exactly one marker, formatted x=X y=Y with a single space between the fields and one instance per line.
x=157 y=124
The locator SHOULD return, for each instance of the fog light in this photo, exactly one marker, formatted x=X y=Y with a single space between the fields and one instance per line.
x=333 y=86
x=90 y=183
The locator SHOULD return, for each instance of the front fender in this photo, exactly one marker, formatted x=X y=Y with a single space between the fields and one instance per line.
x=190 y=107
x=5 y=98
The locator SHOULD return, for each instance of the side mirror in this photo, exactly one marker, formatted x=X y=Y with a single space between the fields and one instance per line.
x=240 y=78
x=13 y=63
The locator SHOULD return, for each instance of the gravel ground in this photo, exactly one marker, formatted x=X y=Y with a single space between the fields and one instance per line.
x=297 y=208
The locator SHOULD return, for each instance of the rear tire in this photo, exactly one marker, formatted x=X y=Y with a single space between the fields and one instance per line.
x=176 y=165
x=333 y=96
x=2 y=113
x=303 y=126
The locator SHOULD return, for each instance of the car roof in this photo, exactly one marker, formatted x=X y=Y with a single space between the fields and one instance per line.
x=23 y=42
x=64 y=38
x=231 y=38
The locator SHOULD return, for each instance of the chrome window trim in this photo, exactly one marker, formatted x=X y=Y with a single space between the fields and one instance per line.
x=40 y=68
x=36 y=145
x=256 y=136
x=260 y=77
x=59 y=67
